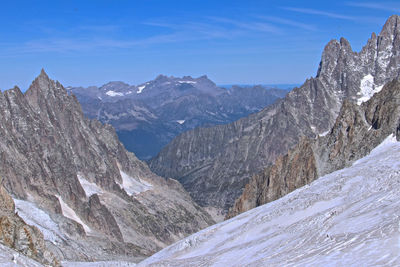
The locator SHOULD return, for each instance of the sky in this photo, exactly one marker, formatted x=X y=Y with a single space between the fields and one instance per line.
x=82 y=43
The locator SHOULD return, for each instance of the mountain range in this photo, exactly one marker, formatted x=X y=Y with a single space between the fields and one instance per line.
x=311 y=179
x=214 y=164
x=148 y=116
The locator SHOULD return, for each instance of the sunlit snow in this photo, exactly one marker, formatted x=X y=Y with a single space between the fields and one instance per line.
x=347 y=218
x=140 y=89
x=367 y=89
x=191 y=82
x=113 y=93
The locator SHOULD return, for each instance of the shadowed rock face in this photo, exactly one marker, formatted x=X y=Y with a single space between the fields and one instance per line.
x=99 y=200
x=357 y=130
x=214 y=164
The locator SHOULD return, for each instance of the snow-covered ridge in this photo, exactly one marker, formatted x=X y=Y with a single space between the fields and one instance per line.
x=367 y=89
x=346 y=218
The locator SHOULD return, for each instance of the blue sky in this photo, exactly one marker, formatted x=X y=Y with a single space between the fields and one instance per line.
x=247 y=42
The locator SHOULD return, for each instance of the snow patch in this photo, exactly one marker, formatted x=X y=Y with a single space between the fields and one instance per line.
x=133 y=186
x=367 y=89
x=113 y=93
x=324 y=133
x=180 y=121
x=140 y=89
x=89 y=187
x=68 y=212
x=35 y=216
x=190 y=82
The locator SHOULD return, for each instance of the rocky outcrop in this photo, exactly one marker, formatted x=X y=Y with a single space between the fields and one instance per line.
x=148 y=116
x=357 y=130
x=73 y=179
x=16 y=234
x=214 y=164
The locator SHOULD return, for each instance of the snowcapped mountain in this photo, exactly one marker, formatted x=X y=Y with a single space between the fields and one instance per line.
x=346 y=218
x=150 y=115
x=214 y=164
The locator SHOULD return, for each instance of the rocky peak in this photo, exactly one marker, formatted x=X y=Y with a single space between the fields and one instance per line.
x=74 y=171
x=391 y=29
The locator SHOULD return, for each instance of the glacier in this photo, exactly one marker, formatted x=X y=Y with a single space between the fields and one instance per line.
x=348 y=217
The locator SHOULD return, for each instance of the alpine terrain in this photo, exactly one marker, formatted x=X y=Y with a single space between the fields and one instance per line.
x=214 y=164
x=346 y=218
x=150 y=115
x=86 y=197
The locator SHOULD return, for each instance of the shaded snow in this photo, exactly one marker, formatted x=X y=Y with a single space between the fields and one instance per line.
x=113 y=93
x=180 y=121
x=133 y=186
x=347 y=218
x=140 y=89
x=68 y=212
x=367 y=89
x=90 y=188
x=35 y=216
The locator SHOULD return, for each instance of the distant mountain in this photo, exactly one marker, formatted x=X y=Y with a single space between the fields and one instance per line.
x=214 y=164
x=150 y=115
x=73 y=180
x=286 y=86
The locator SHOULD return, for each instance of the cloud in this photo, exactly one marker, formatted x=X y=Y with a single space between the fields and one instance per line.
x=381 y=6
x=288 y=22
x=319 y=12
x=252 y=26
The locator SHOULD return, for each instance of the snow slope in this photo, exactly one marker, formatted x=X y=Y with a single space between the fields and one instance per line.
x=349 y=217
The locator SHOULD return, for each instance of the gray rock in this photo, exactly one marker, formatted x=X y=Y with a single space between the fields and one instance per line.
x=214 y=164
x=357 y=130
x=77 y=172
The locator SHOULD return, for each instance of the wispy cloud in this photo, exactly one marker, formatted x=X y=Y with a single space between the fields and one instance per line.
x=319 y=12
x=252 y=26
x=288 y=22
x=381 y=6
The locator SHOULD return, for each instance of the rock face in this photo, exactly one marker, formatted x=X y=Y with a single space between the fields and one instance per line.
x=357 y=130
x=214 y=164
x=16 y=234
x=149 y=116
x=73 y=179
